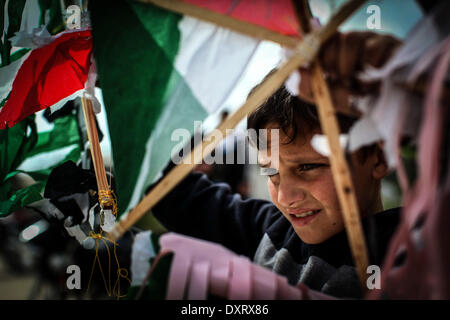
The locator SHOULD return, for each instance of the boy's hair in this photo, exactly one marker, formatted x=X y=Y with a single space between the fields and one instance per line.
x=295 y=117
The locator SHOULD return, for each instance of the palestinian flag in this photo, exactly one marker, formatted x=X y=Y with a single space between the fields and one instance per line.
x=24 y=16
x=32 y=146
x=50 y=75
x=159 y=71
x=52 y=72
x=278 y=16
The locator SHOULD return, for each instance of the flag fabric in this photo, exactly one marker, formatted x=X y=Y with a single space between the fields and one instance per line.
x=54 y=73
x=159 y=71
x=9 y=72
x=57 y=141
x=25 y=26
x=32 y=146
x=21 y=18
x=14 y=144
x=10 y=22
x=50 y=14
x=278 y=16
x=24 y=16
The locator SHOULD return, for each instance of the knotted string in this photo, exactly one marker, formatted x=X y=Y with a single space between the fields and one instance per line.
x=121 y=272
x=107 y=198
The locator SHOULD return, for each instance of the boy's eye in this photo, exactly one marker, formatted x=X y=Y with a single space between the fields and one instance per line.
x=310 y=166
x=268 y=171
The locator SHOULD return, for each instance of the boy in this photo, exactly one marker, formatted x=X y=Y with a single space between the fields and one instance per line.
x=301 y=233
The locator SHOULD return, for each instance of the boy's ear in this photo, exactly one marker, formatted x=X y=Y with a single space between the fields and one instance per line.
x=380 y=168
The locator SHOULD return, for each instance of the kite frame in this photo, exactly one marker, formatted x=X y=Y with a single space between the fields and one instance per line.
x=305 y=51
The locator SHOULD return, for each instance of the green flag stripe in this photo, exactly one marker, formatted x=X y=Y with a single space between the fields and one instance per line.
x=19 y=198
x=56 y=23
x=15 y=142
x=14 y=11
x=133 y=71
x=64 y=133
x=22 y=142
x=159 y=72
x=159 y=146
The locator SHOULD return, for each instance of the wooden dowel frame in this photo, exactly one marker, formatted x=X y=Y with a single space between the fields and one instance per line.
x=305 y=52
x=267 y=88
x=94 y=144
x=341 y=173
x=225 y=21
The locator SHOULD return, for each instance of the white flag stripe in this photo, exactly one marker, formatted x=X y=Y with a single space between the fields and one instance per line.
x=212 y=60
x=5 y=21
x=30 y=16
x=8 y=74
x=208 y=65
x=46 y=160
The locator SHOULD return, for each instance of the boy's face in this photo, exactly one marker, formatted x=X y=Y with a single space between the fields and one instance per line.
x=303 y=189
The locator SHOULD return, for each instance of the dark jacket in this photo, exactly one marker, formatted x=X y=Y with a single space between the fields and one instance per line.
x=257 y=229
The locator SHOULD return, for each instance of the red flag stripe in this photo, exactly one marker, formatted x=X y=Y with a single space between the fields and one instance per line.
x=50 y=74
x=278 y=16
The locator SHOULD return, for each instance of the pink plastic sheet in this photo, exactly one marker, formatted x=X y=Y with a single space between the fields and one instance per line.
x=192 y=272
x=418 y=259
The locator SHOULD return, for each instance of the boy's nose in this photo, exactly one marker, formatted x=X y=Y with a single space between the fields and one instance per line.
x=290 y=193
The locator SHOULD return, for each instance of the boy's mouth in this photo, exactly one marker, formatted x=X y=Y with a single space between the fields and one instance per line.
x=305 y=214
x=303 y=217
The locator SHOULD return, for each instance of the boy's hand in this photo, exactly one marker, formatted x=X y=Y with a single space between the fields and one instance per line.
x=342 y=58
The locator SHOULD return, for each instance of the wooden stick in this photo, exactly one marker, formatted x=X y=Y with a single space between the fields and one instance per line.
x=177 y=174
x=339 y=167
x=304 y=15
x=341 y=174
x=228 y=22
x=305 y=52
x=96 y=152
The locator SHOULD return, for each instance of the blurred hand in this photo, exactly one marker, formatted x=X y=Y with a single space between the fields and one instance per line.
x=342 y=58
